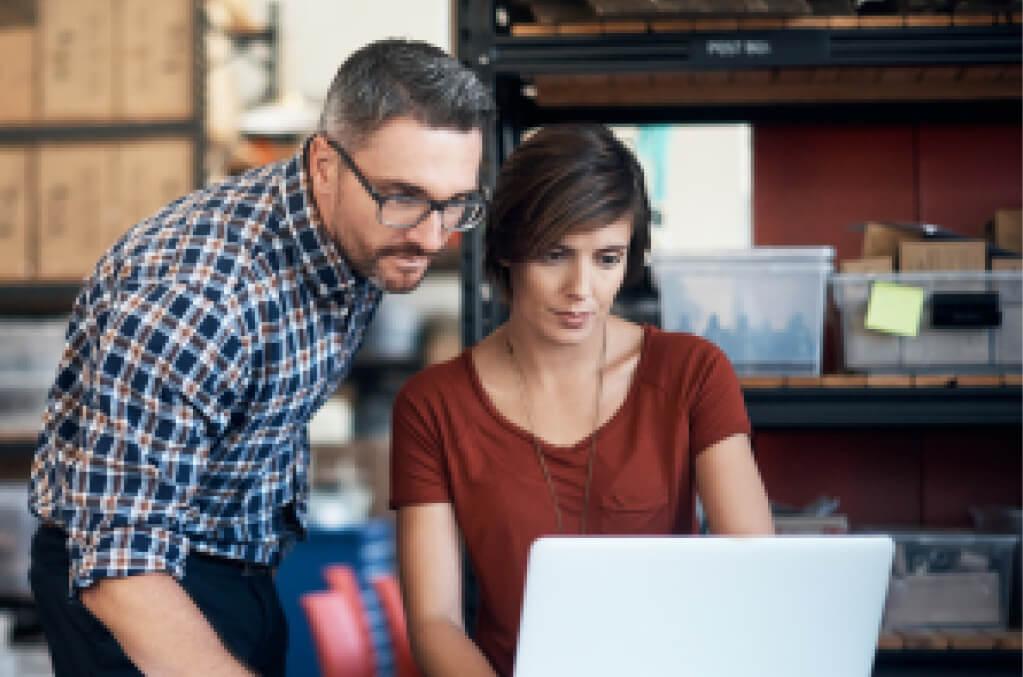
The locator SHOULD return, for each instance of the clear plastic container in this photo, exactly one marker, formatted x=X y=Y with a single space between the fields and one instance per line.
x=17 y=525
x=941 y=346
x=21 y=410
x=30 y=351
x=950 y=580
x=764 y=307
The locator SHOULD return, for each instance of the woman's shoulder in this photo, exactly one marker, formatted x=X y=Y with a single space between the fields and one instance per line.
x=438 y=381
x=668 y=348
x=676 y=359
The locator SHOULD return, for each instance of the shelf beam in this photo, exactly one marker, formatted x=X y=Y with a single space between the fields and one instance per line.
x=659 y=52
x=37 y=298
x=112 y=131
x=883 y=408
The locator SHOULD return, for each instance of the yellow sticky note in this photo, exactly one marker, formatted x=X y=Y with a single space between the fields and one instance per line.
x=895 y=308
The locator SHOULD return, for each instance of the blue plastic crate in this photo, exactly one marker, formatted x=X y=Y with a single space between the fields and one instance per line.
x=368 y=548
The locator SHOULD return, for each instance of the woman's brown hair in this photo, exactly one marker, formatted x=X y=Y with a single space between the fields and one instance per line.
x=564 y=178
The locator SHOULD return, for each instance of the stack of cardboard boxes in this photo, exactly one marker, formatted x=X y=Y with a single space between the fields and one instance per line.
x=106 y=69
x=961 y=311
x=889 y=248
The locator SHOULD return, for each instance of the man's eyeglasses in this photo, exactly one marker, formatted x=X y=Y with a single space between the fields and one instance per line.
x=404 y=211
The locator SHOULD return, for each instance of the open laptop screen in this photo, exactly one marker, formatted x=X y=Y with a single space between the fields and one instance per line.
x=791 y=606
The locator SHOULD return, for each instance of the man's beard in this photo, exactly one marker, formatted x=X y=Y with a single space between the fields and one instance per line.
x=367 y=263
x=406 y=250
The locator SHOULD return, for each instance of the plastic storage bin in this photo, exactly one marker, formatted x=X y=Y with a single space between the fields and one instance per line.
x=30 y=351
x=952 y=580
x=21 y=409
x=17 y=525
x=972 y=322
x=764 y=307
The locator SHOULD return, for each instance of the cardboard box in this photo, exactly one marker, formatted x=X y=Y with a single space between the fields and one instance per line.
x=154 y=59
x=77 y=59
x=943 y=255
x=18 y=12
x=1007 y=264
x=151 y=174
x=14 y=227
x=874 y=264
x=880 y=239
x=1005 y=230
x=77 y=202
x=17 y=74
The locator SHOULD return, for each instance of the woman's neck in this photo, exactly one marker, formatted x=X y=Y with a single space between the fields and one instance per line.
x=546 y=363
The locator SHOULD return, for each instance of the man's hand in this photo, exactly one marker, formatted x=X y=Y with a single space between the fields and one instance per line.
x=159 y=627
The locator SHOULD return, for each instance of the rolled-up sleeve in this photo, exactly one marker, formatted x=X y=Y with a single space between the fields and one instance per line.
x=168 y=365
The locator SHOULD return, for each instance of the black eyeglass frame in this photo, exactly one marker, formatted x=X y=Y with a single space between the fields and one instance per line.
x=477 y=199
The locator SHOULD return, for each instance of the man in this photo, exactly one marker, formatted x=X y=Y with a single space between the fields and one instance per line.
x=171 y=470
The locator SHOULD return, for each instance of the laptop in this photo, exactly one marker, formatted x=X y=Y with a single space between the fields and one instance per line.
x=785 y=606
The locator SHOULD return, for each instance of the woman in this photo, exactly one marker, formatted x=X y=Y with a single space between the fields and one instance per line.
x=565 y=419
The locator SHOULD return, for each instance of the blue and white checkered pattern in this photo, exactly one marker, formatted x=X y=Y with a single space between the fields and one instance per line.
x=196 y=353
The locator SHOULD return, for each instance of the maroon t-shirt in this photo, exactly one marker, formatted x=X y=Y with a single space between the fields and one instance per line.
x=450 y=444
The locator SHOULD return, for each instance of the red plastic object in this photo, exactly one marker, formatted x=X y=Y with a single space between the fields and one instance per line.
x=389 y=594
x=342 y=648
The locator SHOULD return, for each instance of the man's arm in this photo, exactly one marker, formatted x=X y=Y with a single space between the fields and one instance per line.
x=159 y=627
x=431 y=572
x=168 y=368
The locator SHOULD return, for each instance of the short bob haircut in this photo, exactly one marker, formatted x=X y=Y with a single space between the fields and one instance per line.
x=563 y=179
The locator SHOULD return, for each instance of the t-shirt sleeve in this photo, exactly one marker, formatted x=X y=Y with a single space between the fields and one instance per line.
x=717 y=407
x=419 y=473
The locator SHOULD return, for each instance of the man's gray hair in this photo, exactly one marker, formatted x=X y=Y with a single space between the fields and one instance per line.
x=402 y=78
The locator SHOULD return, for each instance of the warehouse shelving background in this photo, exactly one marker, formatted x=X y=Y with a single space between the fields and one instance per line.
x=805 y=72
x=32 y=297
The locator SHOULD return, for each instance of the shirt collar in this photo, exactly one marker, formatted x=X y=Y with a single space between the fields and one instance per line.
x=322 y=264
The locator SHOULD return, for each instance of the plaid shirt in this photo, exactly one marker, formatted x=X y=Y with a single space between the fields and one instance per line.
x=196 y=353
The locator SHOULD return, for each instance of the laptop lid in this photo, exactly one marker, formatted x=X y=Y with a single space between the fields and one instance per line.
x=708 y=606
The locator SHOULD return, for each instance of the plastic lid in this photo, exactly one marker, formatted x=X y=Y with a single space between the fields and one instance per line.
x=760 y=254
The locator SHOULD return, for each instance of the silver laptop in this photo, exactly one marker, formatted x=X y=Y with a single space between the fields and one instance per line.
x=787 y=606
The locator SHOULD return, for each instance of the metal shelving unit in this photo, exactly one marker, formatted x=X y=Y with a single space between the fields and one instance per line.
x=512 y=63
x=36 y=299
x=193 y=127
x=797 y=47
x=947 y=663
x=792 y=407
x=508 y=62
x=43 y=298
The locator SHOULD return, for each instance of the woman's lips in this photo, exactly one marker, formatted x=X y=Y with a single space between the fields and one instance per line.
x=572 y=320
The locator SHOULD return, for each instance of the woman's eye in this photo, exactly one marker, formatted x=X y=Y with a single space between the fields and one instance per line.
x=610 y=259
x=553 y=256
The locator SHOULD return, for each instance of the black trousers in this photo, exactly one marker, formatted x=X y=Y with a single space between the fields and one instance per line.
x=239 y=602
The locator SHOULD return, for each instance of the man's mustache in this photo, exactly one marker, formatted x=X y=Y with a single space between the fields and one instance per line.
x=408 y=251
